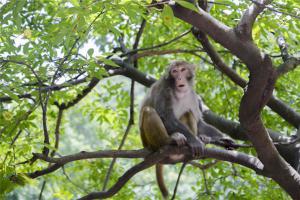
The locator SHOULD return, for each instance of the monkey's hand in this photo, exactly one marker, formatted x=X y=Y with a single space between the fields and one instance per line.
x=226 y=142
x=179 y=138
x=197 y=147
x=205 y=139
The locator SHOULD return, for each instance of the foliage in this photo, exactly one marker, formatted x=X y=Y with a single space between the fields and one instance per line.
x=48 y=43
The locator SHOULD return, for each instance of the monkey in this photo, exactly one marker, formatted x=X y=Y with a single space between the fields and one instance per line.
x=171 y=113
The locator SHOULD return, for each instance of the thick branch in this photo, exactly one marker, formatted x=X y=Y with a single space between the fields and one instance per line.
x=244 y=28
x=276 y=105
x=132 y=73
x=245 y=50
x=260 y=87
x=261 y=84
x=225 y=155
x=150 y=159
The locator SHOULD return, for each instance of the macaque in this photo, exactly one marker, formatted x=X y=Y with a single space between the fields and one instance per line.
x=170 y=114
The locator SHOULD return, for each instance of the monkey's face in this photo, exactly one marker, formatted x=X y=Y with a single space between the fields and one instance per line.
x=181 y=76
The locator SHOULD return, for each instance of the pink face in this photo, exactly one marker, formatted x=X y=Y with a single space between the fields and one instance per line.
x=180 y=75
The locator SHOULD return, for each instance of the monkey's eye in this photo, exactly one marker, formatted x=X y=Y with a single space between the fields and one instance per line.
x=174 y=71
x=182 y=69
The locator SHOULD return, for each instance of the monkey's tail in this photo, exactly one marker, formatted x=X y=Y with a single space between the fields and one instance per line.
x=160 y=181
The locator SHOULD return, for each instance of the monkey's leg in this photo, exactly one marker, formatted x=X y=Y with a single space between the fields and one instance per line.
x=154 y=135
x=189 y=121
x=153 y=131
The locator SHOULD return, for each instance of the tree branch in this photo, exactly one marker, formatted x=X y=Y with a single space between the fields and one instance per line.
x=178 y=179
x=80 y=96
x=277 y=11
x=244 y=28
x=57 y=127
x=148 y=162
x=261 y=83
x=47 y=88
x=288 y=65
x=131 y=109
x=225 y=155
x=245 y=50
x=276 y=105
x=156 y=46
x=42 y=172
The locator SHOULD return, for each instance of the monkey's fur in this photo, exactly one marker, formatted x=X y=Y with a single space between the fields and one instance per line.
x=170 y=112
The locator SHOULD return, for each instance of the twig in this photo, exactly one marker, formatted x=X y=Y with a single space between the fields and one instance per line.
x=207 y=191
x=47 y=88
x=163 y=52
x=131 y=112
x=80 y=96
x=58 y=123
x=274 y=10
x=148 y=162
x=290 y=64
x=139 y=34
x=78 y=38
x=45 y=171
x=157 y=46
x=245 y=25
x=178 y=179
x=45 y=128
x=42 y=190
x=80 y=187
x=114 y=159
x=11 y=144
x=18 y=121
x=15 y=138
x=203 y=167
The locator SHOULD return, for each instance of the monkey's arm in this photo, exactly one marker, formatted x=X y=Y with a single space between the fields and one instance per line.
x=210 y=134
x=173 y=125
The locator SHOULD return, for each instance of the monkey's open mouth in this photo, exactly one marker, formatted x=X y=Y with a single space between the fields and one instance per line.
x=181 y=85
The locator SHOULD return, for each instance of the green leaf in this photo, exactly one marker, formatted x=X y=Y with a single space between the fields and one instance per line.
x=187 y=5
x=167 y=15
x=90 y=52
